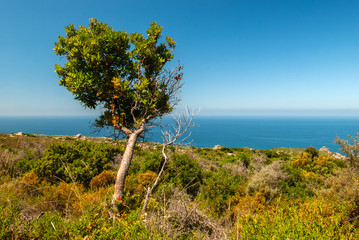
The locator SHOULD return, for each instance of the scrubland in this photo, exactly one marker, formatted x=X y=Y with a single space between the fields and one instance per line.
x=61 y=188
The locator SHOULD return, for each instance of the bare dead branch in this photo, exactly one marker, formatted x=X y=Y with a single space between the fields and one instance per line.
x=181 y=125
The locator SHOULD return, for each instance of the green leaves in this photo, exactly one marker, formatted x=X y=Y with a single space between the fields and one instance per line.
x=80 y=161
x=124 y=73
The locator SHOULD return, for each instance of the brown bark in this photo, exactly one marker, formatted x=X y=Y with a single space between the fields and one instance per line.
x=124 y=166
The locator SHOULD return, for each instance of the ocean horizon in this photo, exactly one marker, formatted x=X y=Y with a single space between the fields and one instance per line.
x=234 y=132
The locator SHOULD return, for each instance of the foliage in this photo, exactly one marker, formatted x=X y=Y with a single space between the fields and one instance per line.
x=245 y=158
x=79 y=161
x=225 y=150
x=350 y=150
x=183 y=219
x=304 y=171
x=303 y=197
x=185 y=172
x=8 y=161
x=267 y=180
x=104 y=179
x=344 y=184
x=312 y=150
x=61 y=198
x=29 y=183
x=316 y=218
x=217 y=190
x=146 y=179
x=146 y=160
x=123 y=73
x=310 y=165
x=272 y=155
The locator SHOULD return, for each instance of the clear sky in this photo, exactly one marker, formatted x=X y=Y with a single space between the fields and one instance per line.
x=244 y=57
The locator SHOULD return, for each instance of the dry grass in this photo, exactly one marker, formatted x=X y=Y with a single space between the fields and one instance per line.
x=180 y=217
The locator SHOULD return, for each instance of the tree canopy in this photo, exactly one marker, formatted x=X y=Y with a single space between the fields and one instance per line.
x=122 y=73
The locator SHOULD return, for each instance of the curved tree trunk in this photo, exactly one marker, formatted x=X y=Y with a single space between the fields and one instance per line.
x=124 y=166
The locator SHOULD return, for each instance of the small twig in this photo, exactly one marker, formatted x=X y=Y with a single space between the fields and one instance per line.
x=55 y=230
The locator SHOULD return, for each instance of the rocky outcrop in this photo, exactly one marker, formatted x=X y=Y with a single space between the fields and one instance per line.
x=325 y=149
x=332 y=154
x=217 y=147
x=17 y=134
x=77 y=136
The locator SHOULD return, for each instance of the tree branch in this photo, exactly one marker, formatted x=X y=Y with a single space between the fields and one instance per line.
x=181 y=125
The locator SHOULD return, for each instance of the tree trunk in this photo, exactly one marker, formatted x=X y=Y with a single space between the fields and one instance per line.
x=124 y=166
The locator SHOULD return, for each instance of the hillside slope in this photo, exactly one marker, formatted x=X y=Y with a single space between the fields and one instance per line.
x=61 y=188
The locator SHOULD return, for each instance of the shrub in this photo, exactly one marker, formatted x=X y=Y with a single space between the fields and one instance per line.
x=344 y=185
x=134 y=194
x=237 y=169
x=305 y=174
x=29 y=184
x=104 y=179
x=270 y=153
x=61 y=198
x=316 y=218
x=245 y=158
x=144 y=160
x=267 y=180
x=225 y=150
x=313 y=151
x=323 y=165
x=217 y=190
x=185 y=172
x=184 y=220
x=79 y=161
x=92 y=199
x=7 y=162
x=147 y=179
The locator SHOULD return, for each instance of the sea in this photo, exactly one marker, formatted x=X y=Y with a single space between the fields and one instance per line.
x=233 y=132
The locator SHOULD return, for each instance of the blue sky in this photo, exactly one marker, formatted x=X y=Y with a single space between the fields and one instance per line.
x=245 y=57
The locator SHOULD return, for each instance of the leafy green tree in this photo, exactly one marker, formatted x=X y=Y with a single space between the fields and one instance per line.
x=124 y=75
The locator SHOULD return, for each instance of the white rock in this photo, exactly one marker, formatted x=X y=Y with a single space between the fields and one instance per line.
x=217 y=147
x=325 y=149
x=78 y=136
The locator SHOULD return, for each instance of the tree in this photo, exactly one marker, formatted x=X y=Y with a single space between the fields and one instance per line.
x=124 y=75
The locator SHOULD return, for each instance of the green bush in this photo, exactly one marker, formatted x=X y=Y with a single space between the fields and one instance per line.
x=225 y=150
x=313 y=151
x=270 y=153
x=79 y=161
x=185 y=172
x=245 y=158
x=145 y=160
x=218 y=188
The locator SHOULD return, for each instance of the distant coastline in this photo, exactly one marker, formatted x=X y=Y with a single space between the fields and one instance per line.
x=234 y=132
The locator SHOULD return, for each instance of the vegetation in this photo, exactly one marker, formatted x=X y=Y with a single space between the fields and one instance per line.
x=54 y=188
x=124 y=75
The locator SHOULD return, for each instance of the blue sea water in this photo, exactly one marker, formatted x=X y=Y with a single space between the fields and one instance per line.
x=234 y=132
